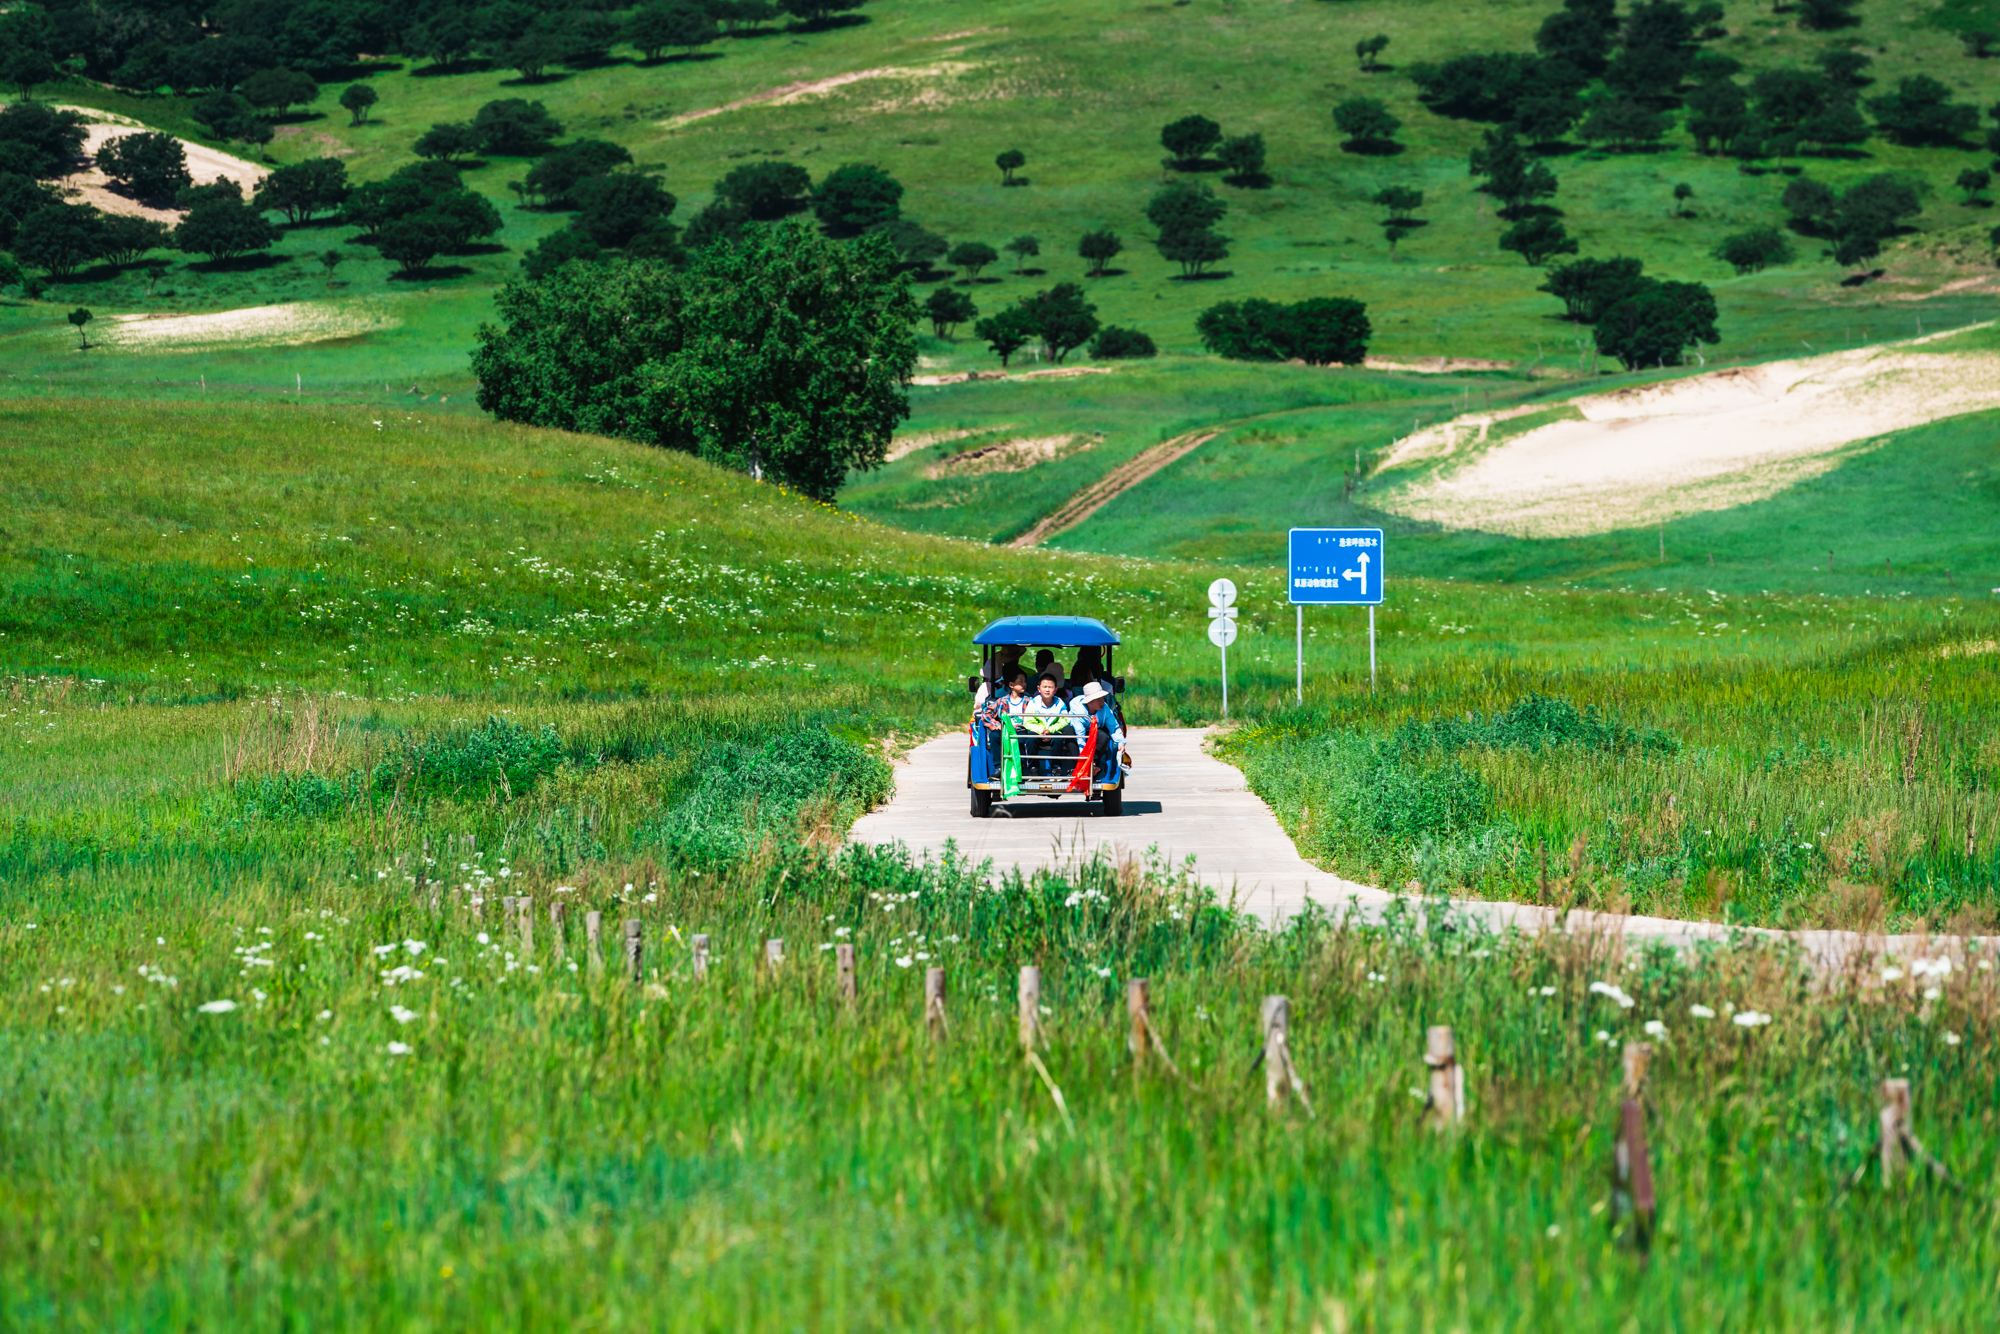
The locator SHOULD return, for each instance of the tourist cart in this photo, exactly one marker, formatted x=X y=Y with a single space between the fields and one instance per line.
x=1041 y=755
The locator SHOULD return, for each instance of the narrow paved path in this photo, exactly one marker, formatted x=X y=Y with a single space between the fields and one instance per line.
x=1182 y=802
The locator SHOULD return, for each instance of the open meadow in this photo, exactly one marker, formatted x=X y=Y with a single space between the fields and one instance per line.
x=297 y=693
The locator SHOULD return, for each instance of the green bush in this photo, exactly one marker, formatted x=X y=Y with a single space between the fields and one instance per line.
x=750 y=797
x=501 y=757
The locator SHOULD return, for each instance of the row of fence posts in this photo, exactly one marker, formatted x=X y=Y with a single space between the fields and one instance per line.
x=1634 y=1199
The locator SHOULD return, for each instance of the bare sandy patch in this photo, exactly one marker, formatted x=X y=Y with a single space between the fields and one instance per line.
x=963 y=377
x=810 y=88
x=1437 y=365
x=1009 y=456
x=1654 y=452
x=908 y=443
x=254 y=326
x=206 y=165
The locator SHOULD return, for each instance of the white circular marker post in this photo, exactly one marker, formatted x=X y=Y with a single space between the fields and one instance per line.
x=1222 y=628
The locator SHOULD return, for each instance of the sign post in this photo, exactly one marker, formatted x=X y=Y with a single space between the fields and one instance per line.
x=1222 y=628
x=1339 y=567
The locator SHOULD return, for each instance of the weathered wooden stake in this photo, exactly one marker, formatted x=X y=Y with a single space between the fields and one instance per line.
x=1638 y=1055
x=843 y=964
x=934 y=1019
x=1895 y=1124
x=526 y=908
x=1281 y=1077
x=1632 y=1179
x=1028 y=1005
x=634 y=948
x=1446 y=1105
x=701 y=956
x=593 y=939
x=558 y=920
x=1139 y=1008
x=774 y=955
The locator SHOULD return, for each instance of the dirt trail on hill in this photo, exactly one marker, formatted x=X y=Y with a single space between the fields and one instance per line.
x=1650 y=453
x=204 y=164
x=1114 y=484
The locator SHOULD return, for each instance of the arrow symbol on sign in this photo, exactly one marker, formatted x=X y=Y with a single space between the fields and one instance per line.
x=1361 y=574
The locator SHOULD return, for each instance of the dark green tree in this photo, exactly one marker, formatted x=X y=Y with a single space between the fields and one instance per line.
x=586 y=38
x=1023 y=249
x=1826 y=15
x=447 y=36
x=1623 y=125
x=1328 y=331
x=1655 y=325
x=972 y=256
x=1973 y=182
x=683 y=25
x=1511 y=175
x=1538 y=239
x=408 y=190
x=413 y=242
x=1545 y=120
x=357 y=99
x=1252 y=330
x=767 y=191
x=554 y=176
x=1100 y=248
x=1369 y=127
x=44 y=141
x=781 y=353
x=1921 y=113
x=532 y=53
x=615 y=210
x=125 y=239
x=1847 y=68
x=1755 y=250
x=1367 y=49
x=918 y=247
x=1491 y=86
x=1010 y=162
x=305 y=189
x=1580 y=38
x=1718 y=113
x=1115 y=344
x=1188 y=141
x=1193 y=248
x=1869 y=213
x=60 y=238
x=331 y=260
x=1394 y=231
x=80 y=317
x=1589 y=287
x=150 y=165
x=1809 y=204
x=851 y=199
x=230 y=116
x=947 y=308
x=279 y=90
x=1243 y=158
x=27 y=68
x=224 y=228
x=1185 y=206
x=1006 y=333
x=816 y=13
x=557 y=249
x=1400 y=200
x=513 y=127
x=1062 y=317
x=446 y=143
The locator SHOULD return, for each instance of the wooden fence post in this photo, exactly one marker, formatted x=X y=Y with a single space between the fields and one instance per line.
x=843 y=965
x=1139 y=1009
x=774 y=955
x=934 y=1019
x=700 y=956
x=1895 y=1123
x=1281 y=1077
x=593 y=939
x=525 y=908
x=634 y=948
x=1446 y=1105
x=1028 y=1005
x=558 y=919
x=1632 y=1194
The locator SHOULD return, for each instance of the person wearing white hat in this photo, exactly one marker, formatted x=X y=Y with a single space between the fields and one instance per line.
x=1095 y=703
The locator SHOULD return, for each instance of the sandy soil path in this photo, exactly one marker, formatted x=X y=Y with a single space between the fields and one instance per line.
x=1183 y=802
x=1113 y=485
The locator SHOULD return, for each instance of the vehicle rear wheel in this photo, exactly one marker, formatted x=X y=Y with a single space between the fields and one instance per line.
x=1114 y=801
x=982 y=803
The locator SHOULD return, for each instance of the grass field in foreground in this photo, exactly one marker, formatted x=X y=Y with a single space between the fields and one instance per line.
x=285 y=693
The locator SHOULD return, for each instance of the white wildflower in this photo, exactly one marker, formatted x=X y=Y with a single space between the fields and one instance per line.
x=1655 y=1029
x=400 y=1049
x=217 y=1007
x=1701 y=1012
x=401 y=1015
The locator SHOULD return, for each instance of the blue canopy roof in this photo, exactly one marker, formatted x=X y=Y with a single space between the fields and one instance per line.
x=1048 y=631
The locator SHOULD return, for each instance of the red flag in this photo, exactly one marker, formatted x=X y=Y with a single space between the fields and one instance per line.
x=1080 y=780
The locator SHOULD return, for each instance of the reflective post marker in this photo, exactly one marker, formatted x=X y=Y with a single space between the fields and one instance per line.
x=1222 y=628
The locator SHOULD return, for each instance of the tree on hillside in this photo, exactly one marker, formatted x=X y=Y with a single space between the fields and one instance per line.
x=1718 y=114
x=513 y=127
x=780 y=353
x=1589 y=287
x=150 y=165
x=223 y=228
x=1545 y=120
x=1623 y=125
x=230 y=116
x=304 y=189
x=616 y=210
x=1869 y=213
x=917 y=247
x=557 y=249
x=1920 y=112
x=1491 y=86
x=1400 y=200
x=1188 y=141
x=585 y=38
x=413 y=242
x=1367 y=49
x=1538 y=239
x=1100 y=248
x=1243 y=159
x=123 y=239
x=681 y=24
x=1062 y=317
x=1581 y=36
x=1115 y=344
x=357 y=99
x=446 y=37
x=532 y=53
x=27 y=68
x=555 y=175
x=1006 y=333
x=1369 y=127
x=1185 y=206
x=1322 y=331
x=279 y=90
x=1826 y=15
x=1010 y=162
x=1847 y=68
x=1511 y=175
x=44 y=141
x=947 y=308
x=1755 y=250
x=60 y=238
x=1394 y=231
x=853 y=198
x=767 y=191
x=815 y=13
x=972 y=256
x=1656 y=324
x=1194 y=249
x=1023 y=249
x=80 y=317
x=1973 y=182
x=446 y=143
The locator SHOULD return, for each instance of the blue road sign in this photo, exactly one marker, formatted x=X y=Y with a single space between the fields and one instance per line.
x=1336 y=566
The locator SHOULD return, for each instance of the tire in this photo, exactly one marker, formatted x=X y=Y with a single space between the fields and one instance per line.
x=1114 y=801
x=982 y=803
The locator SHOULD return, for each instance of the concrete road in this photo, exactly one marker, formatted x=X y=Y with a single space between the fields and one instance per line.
x=1182 y=802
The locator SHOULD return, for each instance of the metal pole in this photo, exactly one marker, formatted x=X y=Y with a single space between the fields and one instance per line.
x=1299 y=655
x=1225 y=682
x=1371 y=648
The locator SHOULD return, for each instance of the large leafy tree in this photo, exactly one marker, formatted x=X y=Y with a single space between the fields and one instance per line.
x=1367 y=125
x=1655 y=325
x=46 y=140
x=1921 y=112
x=1323 y=331
x=681 y=24
x=356 y=99
x=223 y=227
x=1062 y=317
x=815 y=13
x=1100 y=247
x=766 y=191
x=553 y=178
x=301 y=190
x=947 y=308
x=1006 y=333
x=279 y=90
x=514 y=127
x=1538 y=239
x=1189 y=140
x=60 y=238
x=150 y=165
x=616 y=210
x=779 y=352
x=1589 y=287
x=855 y=198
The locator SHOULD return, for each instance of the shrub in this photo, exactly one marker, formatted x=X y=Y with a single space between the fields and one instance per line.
x=1321 y=331
x=1754 y=250
x=501 y=757
x=1115 y=344
x=750 y=799
x=856 y=197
